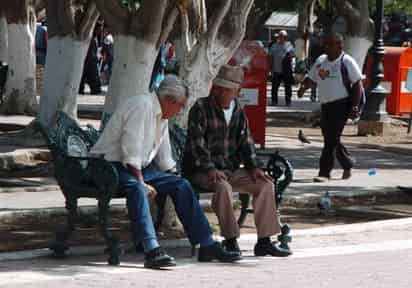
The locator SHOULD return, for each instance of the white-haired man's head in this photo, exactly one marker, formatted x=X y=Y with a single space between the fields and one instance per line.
x=173 y=95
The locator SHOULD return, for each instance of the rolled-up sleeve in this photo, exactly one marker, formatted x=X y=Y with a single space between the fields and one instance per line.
x=132 y=139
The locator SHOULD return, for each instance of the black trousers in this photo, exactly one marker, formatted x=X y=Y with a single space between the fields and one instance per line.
x=278 y=78
x=91 y=77
x=333 y=119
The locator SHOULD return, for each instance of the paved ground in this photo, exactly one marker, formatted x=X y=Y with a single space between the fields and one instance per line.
x=376 y=254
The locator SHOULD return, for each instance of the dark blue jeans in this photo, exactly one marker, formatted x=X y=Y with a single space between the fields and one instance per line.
x=180 y=191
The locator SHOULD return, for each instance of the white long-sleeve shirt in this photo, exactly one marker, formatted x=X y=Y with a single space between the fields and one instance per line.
x=136 y=134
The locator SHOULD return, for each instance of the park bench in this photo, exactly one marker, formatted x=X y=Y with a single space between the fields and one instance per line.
x=278 y=167
x=82 y=176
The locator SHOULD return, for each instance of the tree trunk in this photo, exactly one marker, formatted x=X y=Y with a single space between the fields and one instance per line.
x=138 y=35
x=213 y=49
x=20 y=94
x=64 y=68
x=305 y=27
x=132 y=65
x=70 y=30
x=3 y=39
x=199 y=73
x=359 y=27
x=357 y=47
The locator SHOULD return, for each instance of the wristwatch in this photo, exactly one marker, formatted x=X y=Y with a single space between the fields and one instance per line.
x=355 y=108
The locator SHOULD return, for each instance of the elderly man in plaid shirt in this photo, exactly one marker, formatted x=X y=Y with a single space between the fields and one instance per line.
x=218 y=142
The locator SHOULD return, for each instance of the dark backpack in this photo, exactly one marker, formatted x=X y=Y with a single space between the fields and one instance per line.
x=347 y=83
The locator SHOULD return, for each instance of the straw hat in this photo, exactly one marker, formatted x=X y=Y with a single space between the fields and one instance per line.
x=229 y=77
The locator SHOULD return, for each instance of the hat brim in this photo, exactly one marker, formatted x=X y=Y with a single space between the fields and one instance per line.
x=226 y=83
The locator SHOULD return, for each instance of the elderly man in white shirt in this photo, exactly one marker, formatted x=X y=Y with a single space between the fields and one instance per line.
x=136 y=141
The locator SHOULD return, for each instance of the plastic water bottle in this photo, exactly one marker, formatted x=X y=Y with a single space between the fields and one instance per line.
x=372 y=172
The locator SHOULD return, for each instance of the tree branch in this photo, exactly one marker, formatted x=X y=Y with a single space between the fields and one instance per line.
x=114 y=14
x=347 y=9
x=217 y=19
x=171 y=19
x=200 y=16
x=240 y=18
x=305 y=16
x=60 y=17
x=67 y=13
x=150 y=15
x=88 y=20
x=39 y=5
x=203 y=13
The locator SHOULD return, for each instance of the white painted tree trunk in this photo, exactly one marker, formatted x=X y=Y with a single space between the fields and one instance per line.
x=357 y=47
x=198 y=76
x=132 y=69
x=20 y=94
x=3 y=39
x=302 y=49
x=63 y=71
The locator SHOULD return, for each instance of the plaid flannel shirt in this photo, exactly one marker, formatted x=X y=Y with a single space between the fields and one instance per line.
x=211 y=143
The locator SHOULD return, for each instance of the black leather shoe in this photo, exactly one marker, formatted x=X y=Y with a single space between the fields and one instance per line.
x=269 y=248
x=217 y=252
x=157 y=258
x=231 y=245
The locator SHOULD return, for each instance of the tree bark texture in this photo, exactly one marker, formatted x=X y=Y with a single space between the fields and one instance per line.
x=213 y=48
x=138 y=35
x=359 y=27
x=70 y=27
x=3 y=38
x=305 y=27
x=20 y=92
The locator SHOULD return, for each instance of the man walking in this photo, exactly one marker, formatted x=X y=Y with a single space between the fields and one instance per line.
x=136 y=140
x=328 y=72
x=281 y=56
x=218 y=142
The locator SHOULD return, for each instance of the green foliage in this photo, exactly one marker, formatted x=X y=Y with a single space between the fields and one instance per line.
x=397 y=6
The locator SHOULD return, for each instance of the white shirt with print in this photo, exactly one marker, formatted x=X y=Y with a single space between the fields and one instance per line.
x=136 y=134
x=328 y=77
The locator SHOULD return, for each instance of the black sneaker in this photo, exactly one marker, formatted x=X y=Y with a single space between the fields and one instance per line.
x=269 y=248
x=231 y=245
x=217 y=252
x=157 y=258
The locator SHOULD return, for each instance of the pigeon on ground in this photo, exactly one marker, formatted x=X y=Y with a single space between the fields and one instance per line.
x=325 y=204
x=303 y=138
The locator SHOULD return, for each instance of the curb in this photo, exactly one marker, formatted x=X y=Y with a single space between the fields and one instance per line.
x=306 y=200
x=390 y=149
x=85 y=250
x=19 y=159
x=311 y=200
x=44 y=188
x=46 y=213
x=244 y=239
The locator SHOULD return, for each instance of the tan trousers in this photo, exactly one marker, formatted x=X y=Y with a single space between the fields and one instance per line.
x=264 y=205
